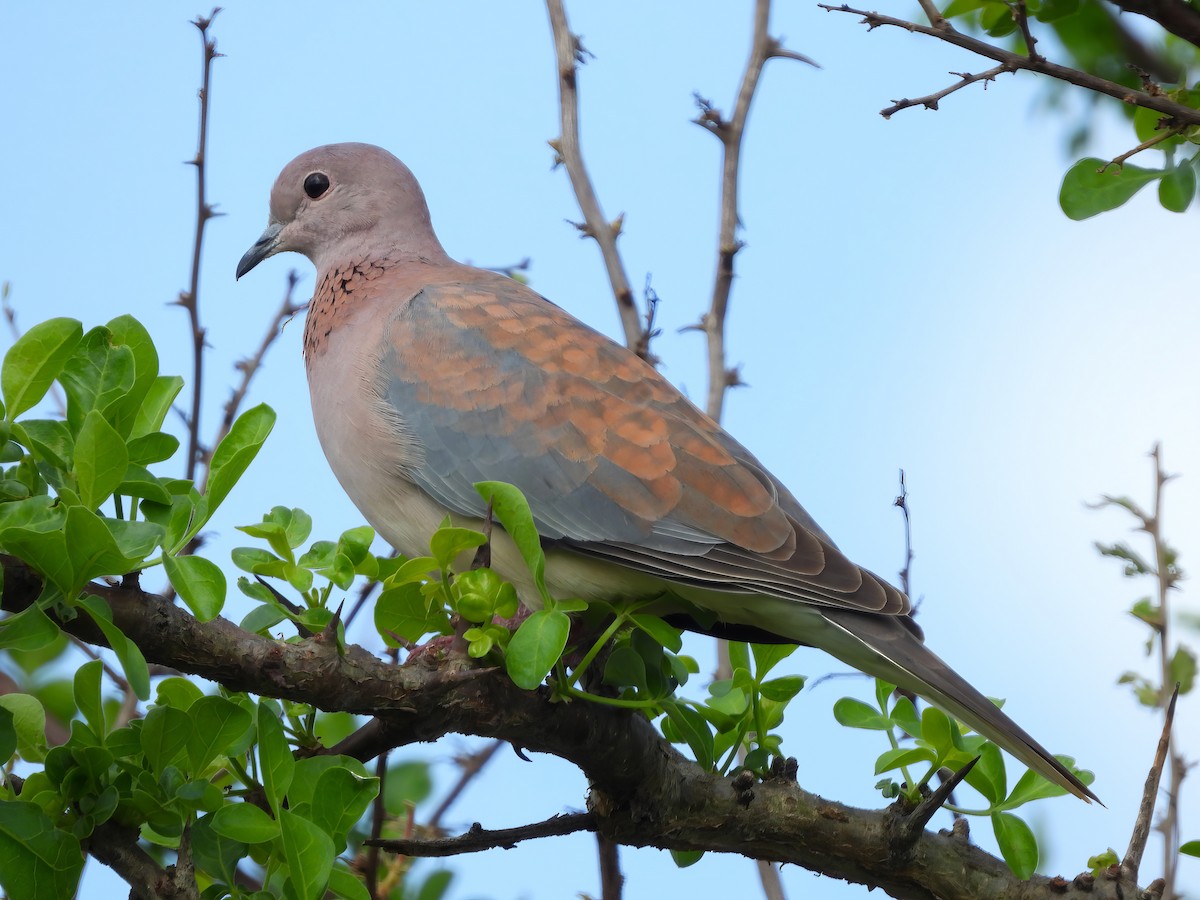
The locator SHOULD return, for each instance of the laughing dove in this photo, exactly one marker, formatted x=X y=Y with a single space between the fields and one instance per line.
x=428 y=376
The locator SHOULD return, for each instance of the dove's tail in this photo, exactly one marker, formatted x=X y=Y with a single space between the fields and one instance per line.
x=882 y=646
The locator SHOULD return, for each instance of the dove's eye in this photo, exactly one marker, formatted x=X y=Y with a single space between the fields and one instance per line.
x=316 y=184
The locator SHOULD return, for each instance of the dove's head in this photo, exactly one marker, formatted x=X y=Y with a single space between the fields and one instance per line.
x=344 y=202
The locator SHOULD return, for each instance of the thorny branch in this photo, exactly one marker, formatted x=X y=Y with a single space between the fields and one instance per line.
x=190 y=299
x=1177 y=113
x=930 y=101
x=1158 y=617
x=730 y=133
x=569 y=52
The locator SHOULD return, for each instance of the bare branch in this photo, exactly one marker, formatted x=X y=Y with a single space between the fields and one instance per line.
x=190 y=299
x=568 y=52
x=1141 y=827
x=1178 y=114
x=478 y=839
x=930 y=101
x=901 y=502
x=730 y=132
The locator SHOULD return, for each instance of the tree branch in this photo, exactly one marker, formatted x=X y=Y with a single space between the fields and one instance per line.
x=643 y=792
x=730 y=132
x=568 y=52
x=190 y=299
x=1176 y=112
x=477 y=838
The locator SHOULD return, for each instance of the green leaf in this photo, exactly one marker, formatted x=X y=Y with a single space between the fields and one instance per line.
x=666 y=635
x=1190 y=848
x=1087 y=191
x=1183 y=669
x=96 y=546
x=87 y=695
x=988 y=775
x=232 y=457
x=131 y=658
x=782 y=689
x=100 y=460
x=1018 y=846
x=407 y=782
x=856 y=714
x=448 y=542
x=1177 y=188
x=625 y=668
x=165 y=733
x=536 y=646
x=8 y=736
x=404 y=612
x=345 y=884
x=1057 y=9
x=511 y=508
x=199 y=581
x=215 y=854
x=244 y=822
x=97 y=376
x=997 y=19
x=276 y=763
x=217 y=723
x=29 y=630
x=35 y=360
x=685 y=858
x=155 y=405
x=152 y=448
x=340 y=799
x=29 y=722
x=177 y=517
x=767 y=656
x=49 y=439
x=178 y=692
x=902 y=756
x=128 y=332
x=309 y=853
x=935 y=729
x=37 y=860
x=694 y=729
x=1147 y=124
x=739 y=655
x=140 y=482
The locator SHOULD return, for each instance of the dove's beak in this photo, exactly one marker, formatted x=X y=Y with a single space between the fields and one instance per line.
x=266 y=245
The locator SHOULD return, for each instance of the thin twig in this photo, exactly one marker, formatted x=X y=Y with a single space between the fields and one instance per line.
x=1179 y=114
x=1141 y=826
x=189 y=299
x=568 y=52
x=1168 y=823
x=936 y=19
x=730 y=132
x=477 y=839
x=901 y=501
x=1020 y=14
x=378 y=812
x=930 y=101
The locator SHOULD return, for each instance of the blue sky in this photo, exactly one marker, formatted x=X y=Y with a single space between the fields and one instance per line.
x=910 y=296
